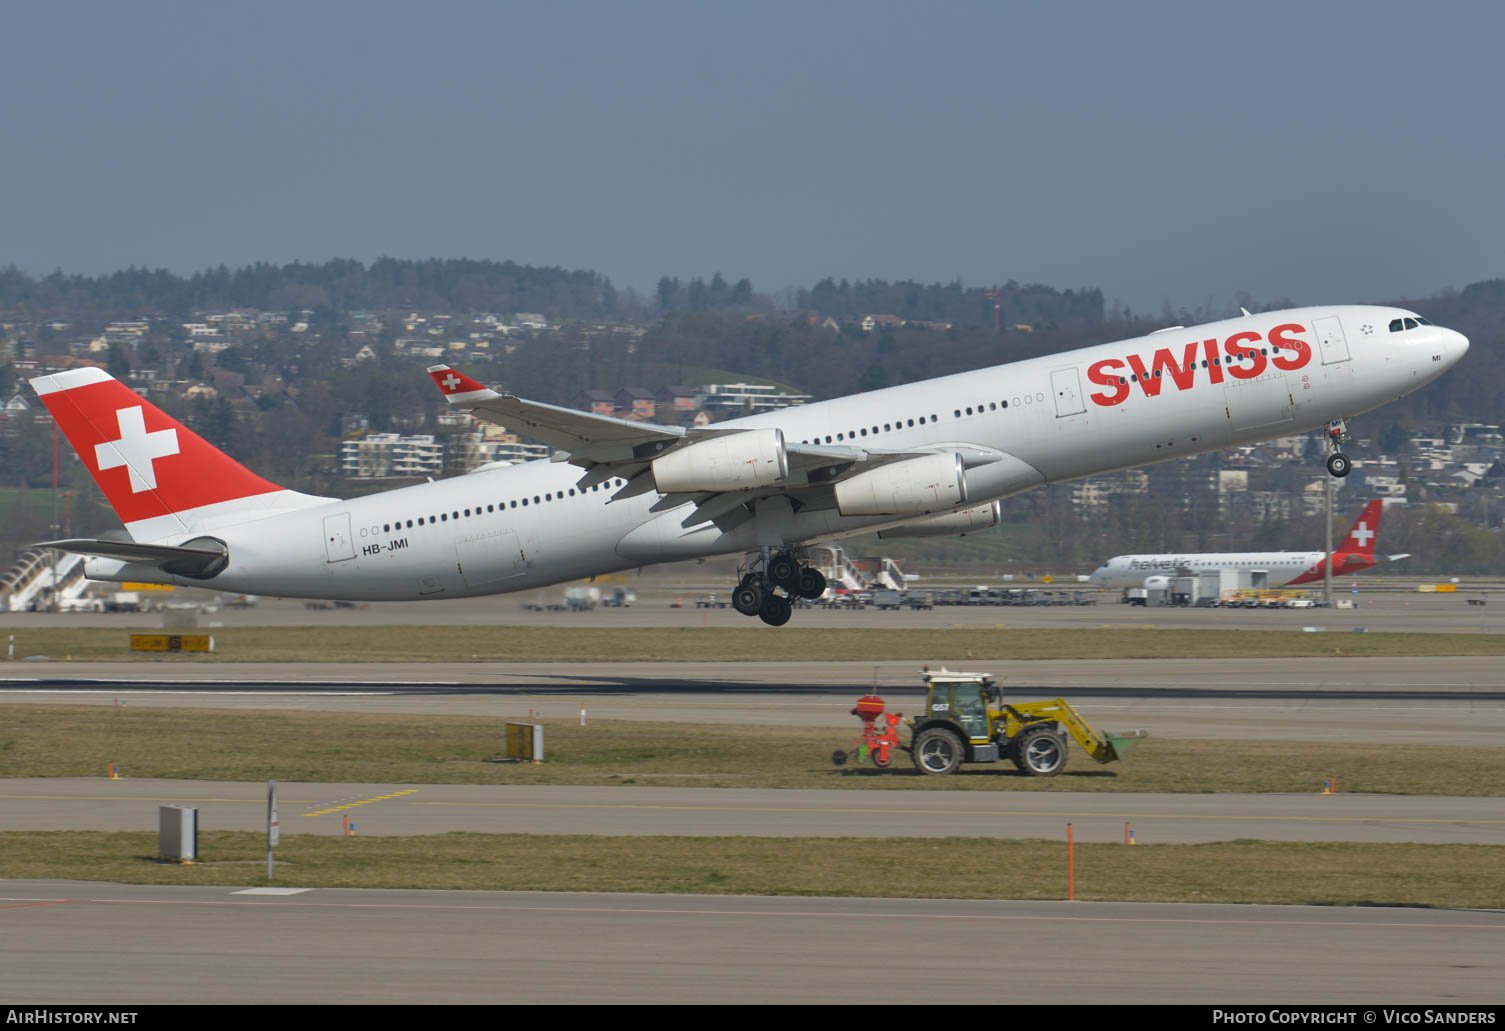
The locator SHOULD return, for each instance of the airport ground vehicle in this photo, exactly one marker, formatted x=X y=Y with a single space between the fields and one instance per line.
x=967 y=720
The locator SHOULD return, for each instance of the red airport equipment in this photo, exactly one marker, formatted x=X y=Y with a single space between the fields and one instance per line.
x=880 y=734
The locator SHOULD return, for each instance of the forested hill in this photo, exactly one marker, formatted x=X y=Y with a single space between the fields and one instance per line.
x=463 y=285
x=436 y=285
x=1008 y=305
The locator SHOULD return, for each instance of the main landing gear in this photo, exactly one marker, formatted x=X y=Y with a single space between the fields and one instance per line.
x=772 y=580
x=1338 y=464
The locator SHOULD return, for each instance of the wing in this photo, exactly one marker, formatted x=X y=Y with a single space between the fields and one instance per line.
x=750 y=462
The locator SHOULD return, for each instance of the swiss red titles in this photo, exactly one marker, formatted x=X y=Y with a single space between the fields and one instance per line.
x=1239 y=357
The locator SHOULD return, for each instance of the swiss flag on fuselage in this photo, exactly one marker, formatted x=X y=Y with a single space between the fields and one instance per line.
x=147 y=463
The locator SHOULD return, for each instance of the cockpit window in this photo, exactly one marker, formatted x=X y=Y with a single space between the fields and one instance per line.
x=1422 y=321
x=1410 y=323
x=1395 y=325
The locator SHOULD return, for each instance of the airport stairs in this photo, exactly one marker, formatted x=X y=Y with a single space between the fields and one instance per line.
x=30 y=584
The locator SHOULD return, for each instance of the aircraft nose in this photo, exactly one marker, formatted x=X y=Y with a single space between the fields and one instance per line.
x=1454 y=346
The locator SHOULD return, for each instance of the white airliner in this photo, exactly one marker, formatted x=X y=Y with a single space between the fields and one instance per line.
x=929 y=458
x=1281 y=568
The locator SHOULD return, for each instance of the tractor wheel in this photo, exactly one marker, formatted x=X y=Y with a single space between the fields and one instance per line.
x=838 y=758
x=1040 y=752
x=937 y=751
x=883 y=762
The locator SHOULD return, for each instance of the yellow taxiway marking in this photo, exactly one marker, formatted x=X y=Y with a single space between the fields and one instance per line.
x=967 y=812
x=364 y=801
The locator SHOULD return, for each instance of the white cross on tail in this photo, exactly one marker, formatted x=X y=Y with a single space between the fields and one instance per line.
x=1362 y=533
x=136 y=449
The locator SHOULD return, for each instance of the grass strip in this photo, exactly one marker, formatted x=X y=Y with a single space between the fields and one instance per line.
x=1245 y=871
x=739 y=644
x=257 y=745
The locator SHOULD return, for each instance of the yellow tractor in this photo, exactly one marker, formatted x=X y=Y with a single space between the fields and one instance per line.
x=966 y=720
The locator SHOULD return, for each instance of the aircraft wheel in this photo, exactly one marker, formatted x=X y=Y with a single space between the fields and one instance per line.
x=748 y=599
x=784 y=571
x=1040 y=753
x=812 y=583
x=1339 y=464
x=776 y=610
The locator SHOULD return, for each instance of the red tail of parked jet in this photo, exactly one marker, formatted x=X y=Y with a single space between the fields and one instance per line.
x=1355 y=551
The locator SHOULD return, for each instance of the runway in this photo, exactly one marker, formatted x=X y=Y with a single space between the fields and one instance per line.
x=98 y=943
x=77 y=803
x=1339 y=698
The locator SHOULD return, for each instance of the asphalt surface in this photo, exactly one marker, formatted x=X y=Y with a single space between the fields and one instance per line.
x=400 y=809
x=86 y=943
x=1459 y=700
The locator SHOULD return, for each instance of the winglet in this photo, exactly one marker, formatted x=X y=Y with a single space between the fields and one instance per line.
x=458 y=388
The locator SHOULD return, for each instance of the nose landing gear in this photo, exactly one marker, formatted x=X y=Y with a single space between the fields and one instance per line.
x=772 y=580
x=1338 y=464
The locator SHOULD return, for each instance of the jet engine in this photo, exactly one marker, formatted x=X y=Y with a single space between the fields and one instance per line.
x=914 y=486
x=968 y=520
x=737 y=461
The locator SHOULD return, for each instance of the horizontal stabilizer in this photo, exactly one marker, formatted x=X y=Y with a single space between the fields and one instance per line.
x=1397 y=558
x=199 y=559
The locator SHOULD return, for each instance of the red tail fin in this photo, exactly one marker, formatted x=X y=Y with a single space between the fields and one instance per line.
x=159 y=476
x=1360 y=539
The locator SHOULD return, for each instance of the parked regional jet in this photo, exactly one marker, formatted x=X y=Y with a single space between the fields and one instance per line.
x=1281 y=568
x=926 y=459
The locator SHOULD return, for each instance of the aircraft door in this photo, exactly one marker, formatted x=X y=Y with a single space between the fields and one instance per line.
x=490 y=557
x=338 y=544
x=1066 y=384
x=1330 y=340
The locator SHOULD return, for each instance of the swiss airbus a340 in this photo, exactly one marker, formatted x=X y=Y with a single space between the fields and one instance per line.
x=926 y=459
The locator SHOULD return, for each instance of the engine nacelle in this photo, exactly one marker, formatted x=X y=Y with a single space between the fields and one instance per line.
x=968 y=520
x=914 y=486
x=737 y=461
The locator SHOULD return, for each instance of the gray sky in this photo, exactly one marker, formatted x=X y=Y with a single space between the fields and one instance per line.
x=1320 y=152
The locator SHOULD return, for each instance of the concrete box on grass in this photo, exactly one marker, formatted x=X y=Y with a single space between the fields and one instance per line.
x=178 y=833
